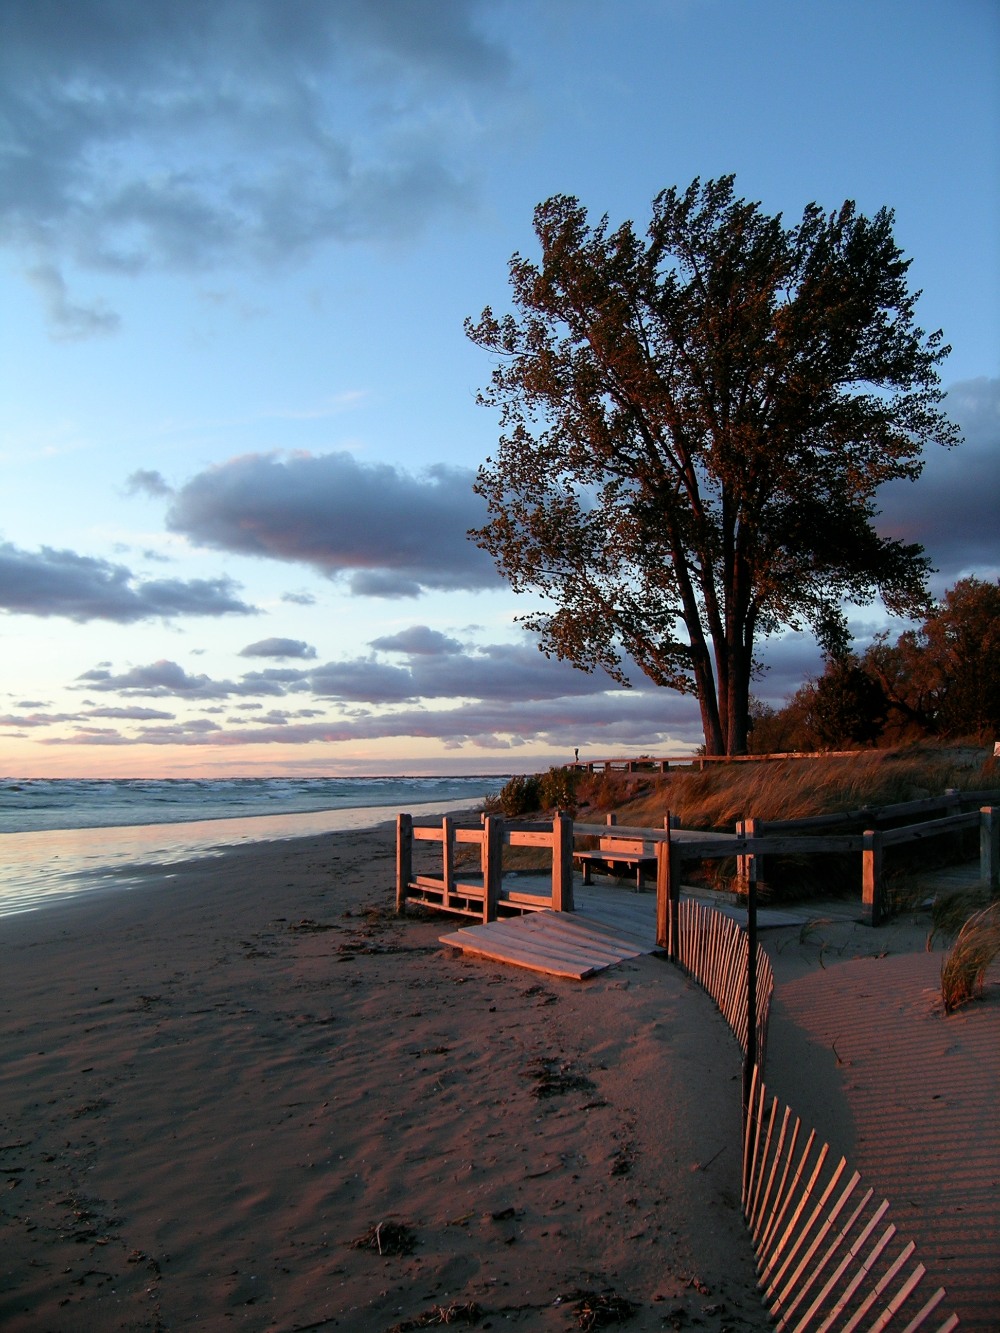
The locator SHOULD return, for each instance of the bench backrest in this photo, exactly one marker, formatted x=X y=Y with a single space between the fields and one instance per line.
x=625 y=847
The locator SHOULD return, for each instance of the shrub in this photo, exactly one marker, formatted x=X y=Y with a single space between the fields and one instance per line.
x=557 y=790
x=518 y=796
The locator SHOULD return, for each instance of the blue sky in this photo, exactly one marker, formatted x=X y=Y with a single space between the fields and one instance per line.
x=237 y=245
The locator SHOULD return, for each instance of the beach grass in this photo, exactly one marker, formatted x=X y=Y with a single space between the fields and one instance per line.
x=976 y=948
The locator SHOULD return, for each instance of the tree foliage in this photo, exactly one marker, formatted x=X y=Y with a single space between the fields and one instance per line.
x=938 y=680
x=694 y=426
x=943 y=679
x=847 y=706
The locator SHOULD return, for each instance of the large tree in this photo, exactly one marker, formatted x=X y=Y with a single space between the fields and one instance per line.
x=694 y=426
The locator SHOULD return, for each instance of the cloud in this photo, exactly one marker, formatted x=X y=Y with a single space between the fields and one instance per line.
x=190 y=134
x=158 y=678
x=278 y=648
x=132 y=714
x=70 y=320
x=145 y=481
x=952 y=509
x=651 y=719
x=419 y=640
x=49 y=582
x=388 y=533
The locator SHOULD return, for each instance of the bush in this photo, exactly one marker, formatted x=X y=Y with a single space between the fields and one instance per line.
x=557 y=790
x=528 y=794
x=518 y=796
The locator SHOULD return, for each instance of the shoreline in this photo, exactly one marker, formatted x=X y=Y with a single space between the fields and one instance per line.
x=106 y=858
x=213 y=1086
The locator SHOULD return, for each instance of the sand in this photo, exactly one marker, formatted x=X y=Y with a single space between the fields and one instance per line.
x=214 y=1084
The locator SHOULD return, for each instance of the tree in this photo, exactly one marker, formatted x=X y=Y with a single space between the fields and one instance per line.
x=847 y=706
x=693 y=431
x=944 y=678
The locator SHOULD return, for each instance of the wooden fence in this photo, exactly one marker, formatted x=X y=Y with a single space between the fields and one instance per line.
x=713 y=948
x=829 y=1259
x=645 y=763
x=828 y=1256
x=482 y=895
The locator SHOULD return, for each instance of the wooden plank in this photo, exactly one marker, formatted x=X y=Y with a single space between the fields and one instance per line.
x=925 y=1312
x=458 y=888
x=562 y=863
x=550 y=941
x=471 y=835
x=404 y=859
x=569 y=957
x=498 y=952
x=932 y=828
x=531 y=839
x=588 y=929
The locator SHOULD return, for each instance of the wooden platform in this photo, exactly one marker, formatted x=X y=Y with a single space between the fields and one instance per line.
x=608 y=926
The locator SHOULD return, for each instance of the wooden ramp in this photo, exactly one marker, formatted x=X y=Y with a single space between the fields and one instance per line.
x=561 y=944
x=608 y=926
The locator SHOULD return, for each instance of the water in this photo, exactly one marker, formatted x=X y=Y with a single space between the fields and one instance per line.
x=35 y=805
x=60 y=838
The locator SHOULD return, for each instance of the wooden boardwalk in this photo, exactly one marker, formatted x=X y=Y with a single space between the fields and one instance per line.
x=607 y=927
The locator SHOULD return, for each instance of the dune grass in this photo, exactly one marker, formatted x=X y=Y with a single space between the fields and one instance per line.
x=976 y=948
x=798 y=788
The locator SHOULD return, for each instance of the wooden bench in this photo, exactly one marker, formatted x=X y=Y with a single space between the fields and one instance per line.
x=630 y=852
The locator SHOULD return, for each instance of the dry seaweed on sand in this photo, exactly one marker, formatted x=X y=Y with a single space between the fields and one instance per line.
x=552 y=1079
x=465 y=1313
x=600 y=1309
x=387 y=1238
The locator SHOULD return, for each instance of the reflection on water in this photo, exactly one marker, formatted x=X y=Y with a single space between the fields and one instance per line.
x=37 y=869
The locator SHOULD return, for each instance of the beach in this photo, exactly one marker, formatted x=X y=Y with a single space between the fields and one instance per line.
x=226 y=1090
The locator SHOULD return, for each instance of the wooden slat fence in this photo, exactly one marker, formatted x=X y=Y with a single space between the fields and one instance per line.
x=713 y=949
x=829 y=1258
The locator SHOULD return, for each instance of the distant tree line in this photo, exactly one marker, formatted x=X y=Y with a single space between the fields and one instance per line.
x=941 y=680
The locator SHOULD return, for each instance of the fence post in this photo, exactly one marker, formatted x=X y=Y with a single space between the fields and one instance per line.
x=750 y=1057
x=871 y=877
x=492 y=865
x=989 y=848
x=668 y=890
x=404 y=859
x=448 y=859
x=748 y=865
x=562 y=863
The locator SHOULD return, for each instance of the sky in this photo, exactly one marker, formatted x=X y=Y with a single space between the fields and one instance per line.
x=239 y=427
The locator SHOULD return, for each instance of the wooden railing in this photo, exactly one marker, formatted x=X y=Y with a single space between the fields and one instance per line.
x=645 y=763
x=755 y=840
x=484 y=897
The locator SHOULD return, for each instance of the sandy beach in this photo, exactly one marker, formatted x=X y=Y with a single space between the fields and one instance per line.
x=218 y=1086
